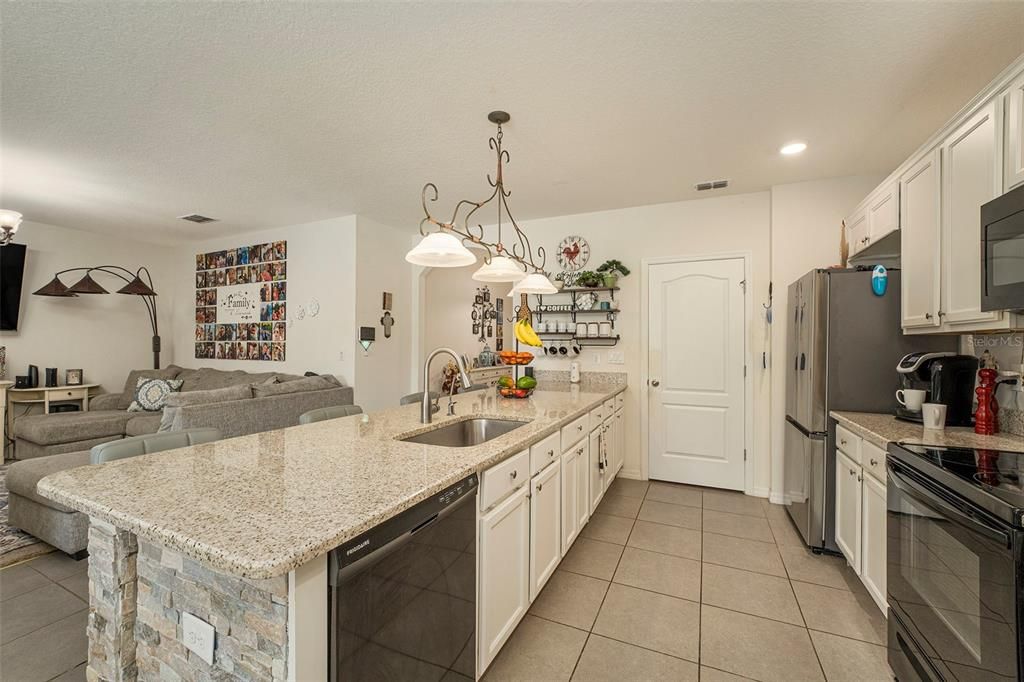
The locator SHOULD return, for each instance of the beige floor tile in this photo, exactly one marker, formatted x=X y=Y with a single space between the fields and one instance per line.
x=76 y=674
x=804 y=565
x=785 y=532
x=608 y=528
x=714 y=675
x=33 y=610
x=670 y=514
x=592 y=557
x=750 y=555
x=653 y=621
x=48 y=651
x=658 y=537
x=538 y=650
x=737 y=525
x=674 y=493
x=628 y=487
x=671 y=575
x=17 y=580
x=756 y=647
x=79 y=585
x=733 y=502
x=841 y=612
x=58 y=565
x=606 y=660
x=617 y=505
x=849 y=660
x=570 y=599
x=754 y=593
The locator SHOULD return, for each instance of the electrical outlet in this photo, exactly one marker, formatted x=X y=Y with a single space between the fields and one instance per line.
x=616 y=357
x=341 y=356
x=197 y=635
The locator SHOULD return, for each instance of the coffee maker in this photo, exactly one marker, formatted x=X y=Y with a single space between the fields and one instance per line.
x=946 y=378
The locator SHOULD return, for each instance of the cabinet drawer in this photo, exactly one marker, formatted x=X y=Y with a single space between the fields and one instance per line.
x=620 y=401
x=872 y=459
x=596 y=417
x=545 y=452
x=609 y=407
x=501 y=479
x=574 y=431
x=848 y=442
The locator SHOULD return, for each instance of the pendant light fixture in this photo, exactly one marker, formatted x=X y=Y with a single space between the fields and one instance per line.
x=440 y=250
x=10 y=221
x=501 y=264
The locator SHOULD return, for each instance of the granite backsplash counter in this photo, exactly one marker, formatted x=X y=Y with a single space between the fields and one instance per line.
x=258 y=506
x=882 y=429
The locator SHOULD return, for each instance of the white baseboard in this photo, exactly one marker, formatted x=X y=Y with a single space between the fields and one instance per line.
x=777 y=498
x=630 y=473
x=758 y=492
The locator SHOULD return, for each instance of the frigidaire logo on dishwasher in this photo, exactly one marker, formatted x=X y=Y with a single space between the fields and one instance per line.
x=353 y=550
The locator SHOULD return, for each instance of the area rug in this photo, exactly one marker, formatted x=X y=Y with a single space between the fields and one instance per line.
x=15 y=545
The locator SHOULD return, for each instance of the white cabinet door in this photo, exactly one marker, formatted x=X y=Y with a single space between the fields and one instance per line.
x=582 y=450
x=545 y=526
x=970 y=177
x=620 y=442
x=570 y=481
x=503 y=582
x=608 y=445
x=1013 y=149
x=920 y=230
x=884 y=212
x=596 y=469
x=873 y=540
x=848 y=509
x=857 y=231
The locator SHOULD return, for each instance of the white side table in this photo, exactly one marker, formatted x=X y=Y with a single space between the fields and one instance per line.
x=45 y=395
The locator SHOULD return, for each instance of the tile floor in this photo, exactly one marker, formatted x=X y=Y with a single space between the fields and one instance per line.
x=44 y=604
x=672 y=582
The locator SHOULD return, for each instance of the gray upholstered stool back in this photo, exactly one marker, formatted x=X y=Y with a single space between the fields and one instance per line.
x=332 y=412
x=415 y=397
x=152 y=442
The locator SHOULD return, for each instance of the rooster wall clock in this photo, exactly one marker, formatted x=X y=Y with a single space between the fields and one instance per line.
x=573 y=253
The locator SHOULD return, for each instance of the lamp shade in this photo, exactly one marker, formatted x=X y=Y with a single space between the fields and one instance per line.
x=536 y=283
x=55 y=288
x=500 y=269
x=440 y=250
x=87 y=285
x=137 y=287
x=9 y=220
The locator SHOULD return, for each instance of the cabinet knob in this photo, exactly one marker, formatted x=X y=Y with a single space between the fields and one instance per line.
x=852 y=472
x=842 y=441
x=655 y=383
x=874 y=462
x=927 y=316
x=540 y=486
x=551 y=453
x=516 y=473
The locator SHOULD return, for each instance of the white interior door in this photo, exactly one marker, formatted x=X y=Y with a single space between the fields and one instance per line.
x=696 y=338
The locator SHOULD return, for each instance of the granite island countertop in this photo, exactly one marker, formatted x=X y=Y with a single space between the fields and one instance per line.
x=882 y=429
x=258 y=506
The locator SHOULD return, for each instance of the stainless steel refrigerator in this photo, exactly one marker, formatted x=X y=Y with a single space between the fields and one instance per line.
x=842 y=346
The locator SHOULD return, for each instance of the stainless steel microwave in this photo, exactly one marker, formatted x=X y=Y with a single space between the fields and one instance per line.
x=1002 y=252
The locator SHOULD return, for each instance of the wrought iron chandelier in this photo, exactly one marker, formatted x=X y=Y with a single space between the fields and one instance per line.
x=446 y=247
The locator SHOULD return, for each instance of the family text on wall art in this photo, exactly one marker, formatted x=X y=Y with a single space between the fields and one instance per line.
x=240 y=303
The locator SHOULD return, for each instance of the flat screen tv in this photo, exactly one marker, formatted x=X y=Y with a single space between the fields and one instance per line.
x=12 y=268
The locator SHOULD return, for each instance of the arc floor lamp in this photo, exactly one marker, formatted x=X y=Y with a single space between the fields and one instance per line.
x=135 y=286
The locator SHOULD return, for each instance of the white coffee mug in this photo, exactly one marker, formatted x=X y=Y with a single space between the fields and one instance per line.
x=934 y=415
x=911 y=398
x=593 y=329
x=581 y=329
x=563 y=327
x=605 y=328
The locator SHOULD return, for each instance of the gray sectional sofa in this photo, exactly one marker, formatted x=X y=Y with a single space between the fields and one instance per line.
x=234 y=402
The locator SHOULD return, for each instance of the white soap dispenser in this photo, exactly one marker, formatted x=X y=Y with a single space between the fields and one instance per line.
x=574 y=372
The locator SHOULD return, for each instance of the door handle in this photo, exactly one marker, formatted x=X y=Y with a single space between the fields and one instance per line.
x=655 y=383
x=803 y=362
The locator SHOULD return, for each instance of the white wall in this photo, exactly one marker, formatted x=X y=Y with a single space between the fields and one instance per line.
x=105 y=336
x=382 y=374
x=321 y=266
x=806 y=222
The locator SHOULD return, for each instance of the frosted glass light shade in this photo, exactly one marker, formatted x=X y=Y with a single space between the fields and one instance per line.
x=440 y=250
x=9 y=220
x=500 y=269
x=536 y=283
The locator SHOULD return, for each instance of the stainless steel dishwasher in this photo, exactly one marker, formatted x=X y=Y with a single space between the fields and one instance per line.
x=403 y=594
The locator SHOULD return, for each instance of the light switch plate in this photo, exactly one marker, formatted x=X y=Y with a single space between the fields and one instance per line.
x=616 y=357
x=198 y=636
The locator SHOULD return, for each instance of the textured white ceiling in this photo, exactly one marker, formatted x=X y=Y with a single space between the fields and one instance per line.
x=118 y=117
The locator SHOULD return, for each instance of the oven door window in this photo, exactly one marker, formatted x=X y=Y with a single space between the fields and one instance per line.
x=954 y=584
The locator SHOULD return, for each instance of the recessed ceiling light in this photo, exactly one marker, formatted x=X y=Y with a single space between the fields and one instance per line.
x=793 y=148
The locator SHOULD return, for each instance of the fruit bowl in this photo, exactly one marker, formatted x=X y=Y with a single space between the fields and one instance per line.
x=516 y=393
x=509 y=357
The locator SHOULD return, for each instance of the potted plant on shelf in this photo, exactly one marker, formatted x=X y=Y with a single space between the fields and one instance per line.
x=588 y=278
x=610 y=272
x=560 y=280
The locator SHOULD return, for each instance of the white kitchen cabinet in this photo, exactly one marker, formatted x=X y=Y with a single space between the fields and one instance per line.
x=848 y=509
x=570 y=481
x=920 y=225
x=1013 y=140
x=883 y=212
x=608 y=445
x=620 y=442
x=970 y=177
x=545 y=526
x=873 y=538
x=503 y=580
x=857 y=231
x=596 y=468
x=582 y=450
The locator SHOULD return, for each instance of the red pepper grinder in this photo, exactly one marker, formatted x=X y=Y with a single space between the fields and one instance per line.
x=985 y=416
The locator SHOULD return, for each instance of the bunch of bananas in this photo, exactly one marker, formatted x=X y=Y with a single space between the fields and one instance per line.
x=524 y=332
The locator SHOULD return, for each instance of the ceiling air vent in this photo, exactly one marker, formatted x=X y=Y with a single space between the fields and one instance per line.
x=196 y=218
x=711 y=184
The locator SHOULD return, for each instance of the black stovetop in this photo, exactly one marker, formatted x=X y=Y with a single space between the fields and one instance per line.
x=992 y=479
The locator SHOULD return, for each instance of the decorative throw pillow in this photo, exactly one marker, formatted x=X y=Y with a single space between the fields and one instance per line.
x=151 y=394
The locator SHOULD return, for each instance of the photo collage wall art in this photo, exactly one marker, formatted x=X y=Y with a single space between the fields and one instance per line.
x=241 y=309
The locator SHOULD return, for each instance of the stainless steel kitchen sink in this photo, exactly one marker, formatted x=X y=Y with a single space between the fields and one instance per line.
x=465 y=433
